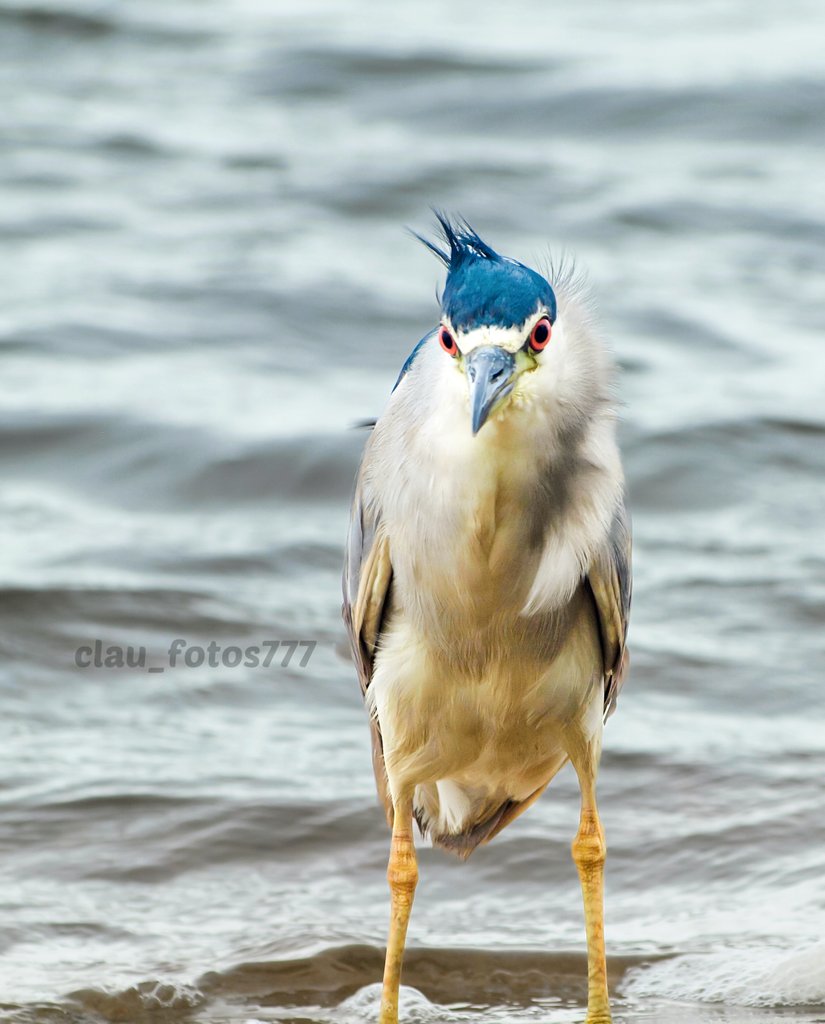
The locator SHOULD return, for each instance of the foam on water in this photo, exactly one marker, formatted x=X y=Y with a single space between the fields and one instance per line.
x=749 y=977
x=416 y=1008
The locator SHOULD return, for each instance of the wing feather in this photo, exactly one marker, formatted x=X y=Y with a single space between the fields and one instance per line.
x=610 y=580
x=367 y=588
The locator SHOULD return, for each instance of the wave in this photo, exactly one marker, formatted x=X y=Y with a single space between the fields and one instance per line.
x=69 y=22
x=159 y=998
x=456 y=985
x=348 y=979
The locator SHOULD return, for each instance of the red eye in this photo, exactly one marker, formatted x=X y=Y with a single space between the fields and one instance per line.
x=540 y=334
x=447 y=341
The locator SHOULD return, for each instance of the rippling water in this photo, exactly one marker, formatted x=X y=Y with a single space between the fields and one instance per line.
x=205 y=282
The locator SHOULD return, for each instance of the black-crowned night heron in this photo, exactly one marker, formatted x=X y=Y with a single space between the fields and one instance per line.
x=487 y=578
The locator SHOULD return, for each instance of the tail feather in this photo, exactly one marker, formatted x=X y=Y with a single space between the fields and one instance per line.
x=481 y=821
x=463 y=843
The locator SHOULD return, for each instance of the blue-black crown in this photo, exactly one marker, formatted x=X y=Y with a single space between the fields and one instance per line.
x=484 y=288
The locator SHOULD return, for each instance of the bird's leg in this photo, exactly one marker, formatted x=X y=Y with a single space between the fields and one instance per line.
x=589 y=851
x=402 y=874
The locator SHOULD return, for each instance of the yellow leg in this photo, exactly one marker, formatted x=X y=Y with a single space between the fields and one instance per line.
x=589 y=851
x=402 y=874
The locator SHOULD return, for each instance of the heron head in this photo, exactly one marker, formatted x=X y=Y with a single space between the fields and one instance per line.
x=497 y=319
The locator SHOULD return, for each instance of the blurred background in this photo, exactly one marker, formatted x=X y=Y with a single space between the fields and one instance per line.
x=205 y=281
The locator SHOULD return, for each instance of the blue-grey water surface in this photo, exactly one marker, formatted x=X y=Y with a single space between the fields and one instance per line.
x=204 y=282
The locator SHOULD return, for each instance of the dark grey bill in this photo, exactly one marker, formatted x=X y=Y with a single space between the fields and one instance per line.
x=490 y=372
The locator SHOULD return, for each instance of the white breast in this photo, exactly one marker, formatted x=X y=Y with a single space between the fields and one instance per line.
x=455 y=515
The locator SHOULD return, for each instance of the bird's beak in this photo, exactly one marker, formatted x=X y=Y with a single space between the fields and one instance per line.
x=490 y=372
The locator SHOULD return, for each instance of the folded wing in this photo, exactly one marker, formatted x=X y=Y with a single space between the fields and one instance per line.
x=610 y=581
x=367 y=585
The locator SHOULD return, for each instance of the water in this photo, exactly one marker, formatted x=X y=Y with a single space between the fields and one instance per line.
x=205 y=281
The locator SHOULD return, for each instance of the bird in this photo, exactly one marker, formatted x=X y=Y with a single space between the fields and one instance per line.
x=487 y=576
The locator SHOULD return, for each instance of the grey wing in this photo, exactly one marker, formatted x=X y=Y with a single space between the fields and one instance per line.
x=610 y=578
x=367 y=582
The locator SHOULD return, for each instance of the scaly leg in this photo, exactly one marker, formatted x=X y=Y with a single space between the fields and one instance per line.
x=402 y=874
x=589 y=851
